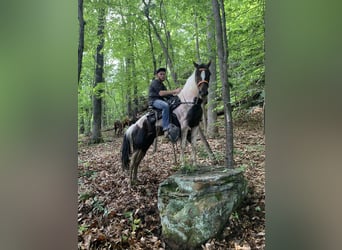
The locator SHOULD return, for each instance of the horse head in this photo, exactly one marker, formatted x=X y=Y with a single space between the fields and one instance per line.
x=202 y=78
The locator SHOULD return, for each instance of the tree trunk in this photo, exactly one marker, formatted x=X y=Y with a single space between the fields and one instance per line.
x=154 y=60
x=222 y=52
x=81 y=37
x=87 y=122
x=168 y=44
x=132 y=73
x=104 y=114
x=212 y=129
x=128 y=96
x=196 y=37
x=80 y=56
x=81 y=128
x=135 y=92
x=161 y=42
x=96 y=136
x=226 y=91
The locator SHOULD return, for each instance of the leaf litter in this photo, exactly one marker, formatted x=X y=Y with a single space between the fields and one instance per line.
x=111 y=215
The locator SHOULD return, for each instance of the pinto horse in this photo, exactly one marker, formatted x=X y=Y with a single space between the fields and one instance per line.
x=140 y=135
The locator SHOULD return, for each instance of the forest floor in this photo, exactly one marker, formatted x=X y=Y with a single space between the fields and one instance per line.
x=111 y=215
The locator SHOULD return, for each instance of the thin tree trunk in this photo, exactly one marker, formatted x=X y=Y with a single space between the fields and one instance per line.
x=96 y=136
x=128 y=67
x=169 y=55
x=161 y=42
x=81 y=128
x=128 y=96
x=80 y=56
x=152 y=47
x=81 y=37
x=212 y=129
x=226 y=89
x=135 y=92
x=211 y=115
x=104 y=114
x=133 y=73
x=88 y=120
x=222 y=52
x=196 y=36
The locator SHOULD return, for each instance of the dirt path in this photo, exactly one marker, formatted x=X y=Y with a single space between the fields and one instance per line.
x=113 y=216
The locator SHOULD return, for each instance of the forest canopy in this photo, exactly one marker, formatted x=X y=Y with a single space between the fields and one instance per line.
x=133 y=38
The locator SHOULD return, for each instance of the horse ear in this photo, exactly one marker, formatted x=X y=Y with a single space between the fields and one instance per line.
x=195 y=64
x=209 y=63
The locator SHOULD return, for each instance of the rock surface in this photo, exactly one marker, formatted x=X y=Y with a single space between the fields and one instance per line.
x=196 y=206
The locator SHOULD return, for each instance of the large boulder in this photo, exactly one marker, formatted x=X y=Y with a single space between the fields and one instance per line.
x=196 y=206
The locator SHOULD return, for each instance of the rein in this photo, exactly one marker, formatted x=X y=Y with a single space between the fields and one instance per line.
x=190 y=102
x=194 y=103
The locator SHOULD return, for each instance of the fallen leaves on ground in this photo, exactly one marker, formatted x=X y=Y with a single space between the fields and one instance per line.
x=111 y=215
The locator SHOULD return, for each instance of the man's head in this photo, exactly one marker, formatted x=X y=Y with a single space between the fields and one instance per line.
x=160 y=74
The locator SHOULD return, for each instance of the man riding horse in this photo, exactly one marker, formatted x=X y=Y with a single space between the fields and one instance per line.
x=188 y=113
x=158 y=94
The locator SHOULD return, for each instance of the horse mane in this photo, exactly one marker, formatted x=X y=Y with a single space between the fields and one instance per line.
x=189 y=88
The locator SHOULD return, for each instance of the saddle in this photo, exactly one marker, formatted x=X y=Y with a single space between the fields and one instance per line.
x=155 y=114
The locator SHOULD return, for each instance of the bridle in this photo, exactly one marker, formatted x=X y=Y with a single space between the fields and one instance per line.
x=202 y=81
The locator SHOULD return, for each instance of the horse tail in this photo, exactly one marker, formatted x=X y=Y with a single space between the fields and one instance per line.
x=125 y=151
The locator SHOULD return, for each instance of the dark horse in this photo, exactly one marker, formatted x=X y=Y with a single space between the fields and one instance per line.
x=120 y=125
x=140 y=136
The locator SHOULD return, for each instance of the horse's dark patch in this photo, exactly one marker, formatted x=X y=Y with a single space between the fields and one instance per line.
x=194 y=115
x=125 y=149
x=144 y=137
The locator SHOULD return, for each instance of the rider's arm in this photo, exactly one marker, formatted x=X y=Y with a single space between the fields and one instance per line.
x=169 y=92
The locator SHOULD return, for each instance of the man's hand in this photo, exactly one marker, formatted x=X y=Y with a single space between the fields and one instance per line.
x=176 y=91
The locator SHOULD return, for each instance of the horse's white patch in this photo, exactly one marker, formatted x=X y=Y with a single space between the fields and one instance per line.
x=140 y=122
x=159 y=123
x=189 y=90
x=129 y=130
x=203 y=75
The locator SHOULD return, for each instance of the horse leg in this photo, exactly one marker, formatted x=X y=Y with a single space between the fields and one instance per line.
x=207 y=146
x=117 y=128
x=140 y=156
x=157 y=133
x=136 y=159
x=183 y=144
x=194 y=132
x=133 y=168
x=204 y=115
x=155 y=144
x=174 y=153
x=120 y=129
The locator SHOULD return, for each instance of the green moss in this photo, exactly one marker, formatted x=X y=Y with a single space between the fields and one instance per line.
x=218 y=196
